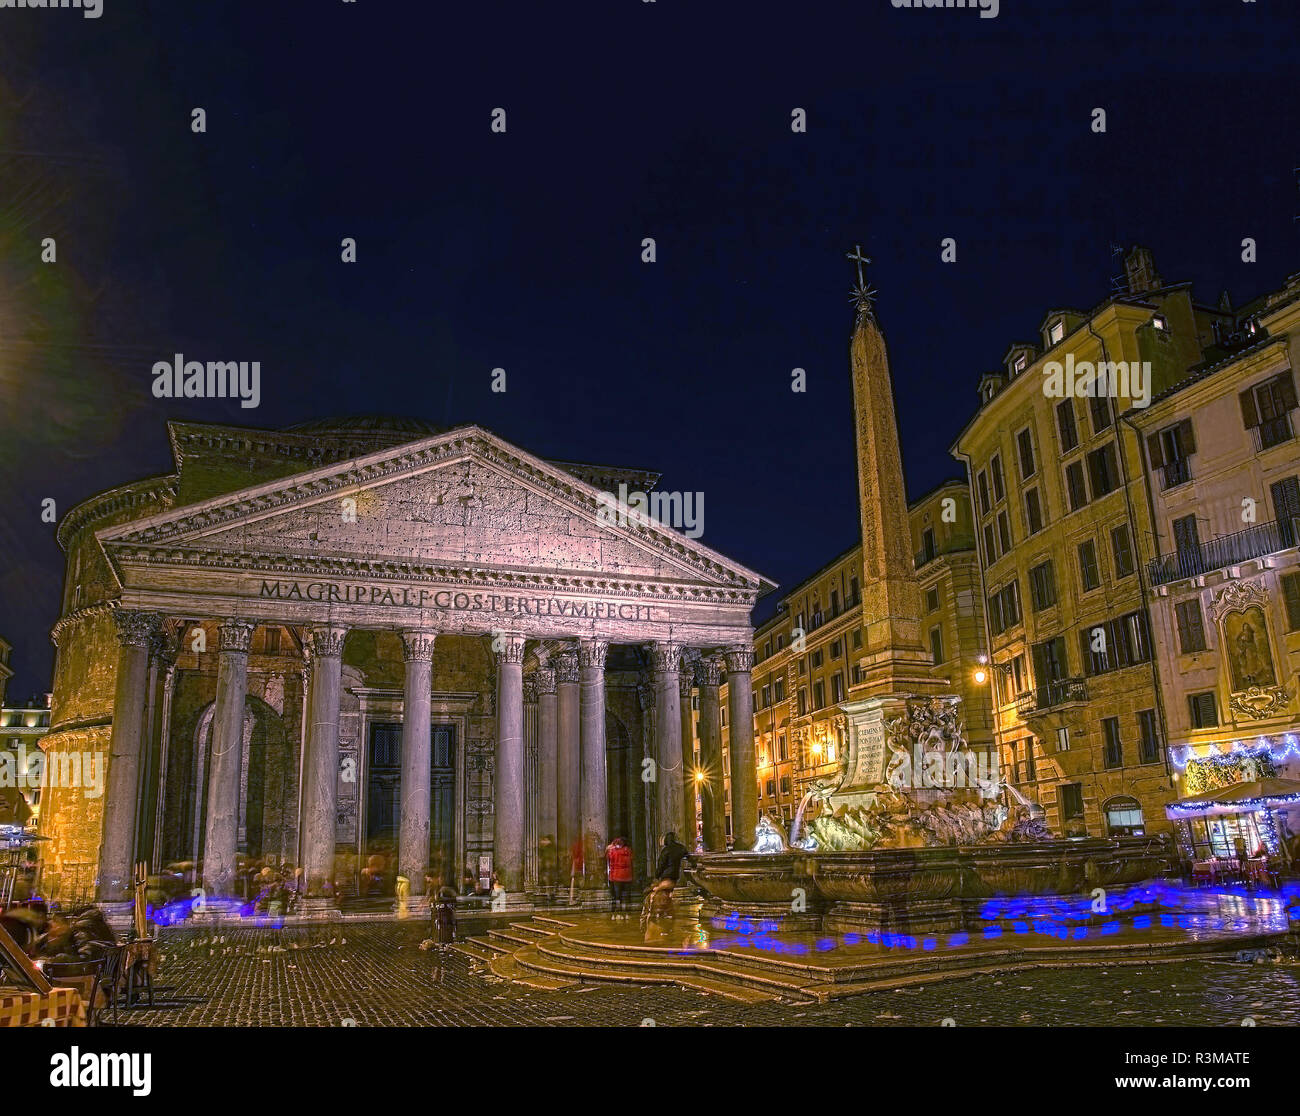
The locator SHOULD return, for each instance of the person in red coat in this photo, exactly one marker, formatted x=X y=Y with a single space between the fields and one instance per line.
x=618 y=862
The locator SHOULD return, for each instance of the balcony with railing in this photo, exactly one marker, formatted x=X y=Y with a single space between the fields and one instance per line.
x=1051 y=696
x=1175 y=472
x=1226 y=550
x=1274 y=431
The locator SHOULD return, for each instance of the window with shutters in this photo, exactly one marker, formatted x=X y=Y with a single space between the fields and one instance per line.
x=1089 y=574
x=1115 y=644
x=1042 y=586
x=1004 y=608
x=1266 y=410
x=982 y=481
x=1286 y=508
x=1114 y=747
x=1025 y=451
x=936 y=644
x=1075 y=486
x=990 y=549
x=1191 y=627
x=803 y=702
x=1103 y=472
x=995 y=471
x=929 y=547
x=1169 y=450
x=778 y=690
x=1066 y=426
x=932 y=600
x=1187 y=546
x=837 y=686
x=1203 y=710
x=1099 y=405
x=1148 y=737
x=1071 y=801
x=1004 y=532
x=819 y=694
x=1033 y=512
x=1121 y=546
x=1291 y=594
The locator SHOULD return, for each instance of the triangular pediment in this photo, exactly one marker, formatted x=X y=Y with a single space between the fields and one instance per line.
x=463 y=500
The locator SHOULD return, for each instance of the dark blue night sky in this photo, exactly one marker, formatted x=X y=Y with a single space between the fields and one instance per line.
x=625 y=120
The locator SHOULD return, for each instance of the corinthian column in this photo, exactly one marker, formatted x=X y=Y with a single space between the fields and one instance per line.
x=417 y=745
x=713 y=809
x=548 y=730
x=666 y=660
x=594 y=800
x=686 y=681
x=509 y=787
x=744 y=774
x=221 y=834
x=568 y=766
x=321 y=770
x=117 y=841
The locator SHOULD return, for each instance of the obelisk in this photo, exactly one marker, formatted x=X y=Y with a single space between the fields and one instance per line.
x=894 y=660
x=895 y=668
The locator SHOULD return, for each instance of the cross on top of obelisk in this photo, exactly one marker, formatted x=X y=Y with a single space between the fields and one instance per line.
x=863 y=293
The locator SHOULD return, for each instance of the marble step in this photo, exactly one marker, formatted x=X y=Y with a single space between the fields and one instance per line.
x=492 y=945
x=703 y=966
x=511 y=938
x=470 y=948
x=505 y=965
x=532 y=930
x=559 y=968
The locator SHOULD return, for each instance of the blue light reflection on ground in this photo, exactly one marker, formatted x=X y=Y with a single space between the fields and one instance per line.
x=1066 y=919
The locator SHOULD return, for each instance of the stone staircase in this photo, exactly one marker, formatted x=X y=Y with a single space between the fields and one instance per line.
x=556 y=952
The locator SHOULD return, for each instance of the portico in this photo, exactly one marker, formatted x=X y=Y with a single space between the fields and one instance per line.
x=446 y=638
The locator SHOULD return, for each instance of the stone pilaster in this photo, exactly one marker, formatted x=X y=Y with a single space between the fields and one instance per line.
x=225 y=763
x=321 y=766
x=594 y=809
x=417 y=748
x=713 y=809
x=744 y=773
x=548 y=732
x=509 y=788
x=666 y=661
x=686 y=684
x=569 y=763
x=117 y=844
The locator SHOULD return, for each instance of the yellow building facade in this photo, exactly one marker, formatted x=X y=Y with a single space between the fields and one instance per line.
x=1222 y=473
x=1062 y=520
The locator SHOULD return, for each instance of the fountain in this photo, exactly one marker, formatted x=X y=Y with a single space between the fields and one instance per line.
x=913 y=834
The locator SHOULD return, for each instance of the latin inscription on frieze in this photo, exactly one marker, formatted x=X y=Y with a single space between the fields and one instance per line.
x=410 y=596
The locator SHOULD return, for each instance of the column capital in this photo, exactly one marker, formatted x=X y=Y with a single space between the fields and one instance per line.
x=740 y=660
x=235 y=635
x=530 y=690
x=508 y=647
x=666 y=658
x=417 y=645
x=327 y=640
x=592 y=652
x=566 y=666
x=135 y=628
x=686 y=679
x=709 y=669
x=544 y=680
x=162 y=646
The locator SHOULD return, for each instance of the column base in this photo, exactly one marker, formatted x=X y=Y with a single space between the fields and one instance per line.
x=319 y=908
x=417 y=906
x=214 y=910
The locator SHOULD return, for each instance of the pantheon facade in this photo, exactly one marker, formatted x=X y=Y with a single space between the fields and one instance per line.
x=370 y=649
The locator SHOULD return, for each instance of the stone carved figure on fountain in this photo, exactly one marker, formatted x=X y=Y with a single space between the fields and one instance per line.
x=1029 y=826
x=769 y=837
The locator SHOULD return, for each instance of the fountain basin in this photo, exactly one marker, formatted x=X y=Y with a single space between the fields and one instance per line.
x=936 y=888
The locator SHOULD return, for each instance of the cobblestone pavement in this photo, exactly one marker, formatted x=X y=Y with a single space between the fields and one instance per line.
x=376 y=975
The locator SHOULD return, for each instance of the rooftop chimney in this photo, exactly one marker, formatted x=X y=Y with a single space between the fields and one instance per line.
x=1140 y=267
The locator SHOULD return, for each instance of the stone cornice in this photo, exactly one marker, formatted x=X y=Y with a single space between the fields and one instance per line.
x=412 y=458
x=150 y=490
x=99 y=608
x=296 y=567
